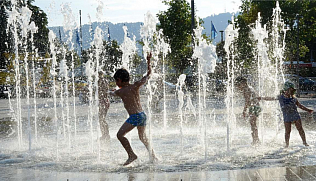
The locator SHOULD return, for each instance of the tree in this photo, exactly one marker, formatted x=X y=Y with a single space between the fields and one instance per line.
x=221 y=69
x=245 y=58
x=176 y=25
x=111 y=55
x=4 y=46
x=305 y=10
x=40 y=19
x=7 y=42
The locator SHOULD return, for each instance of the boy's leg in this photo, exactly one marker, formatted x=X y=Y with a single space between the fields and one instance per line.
x=301 y=131
x=102 y=121
x=143 y=138
x=254 y=129
x=287 y=126
x=125 y=128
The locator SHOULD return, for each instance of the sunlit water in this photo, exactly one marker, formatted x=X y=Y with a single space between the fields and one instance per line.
x=165 y=142
x=216 y=137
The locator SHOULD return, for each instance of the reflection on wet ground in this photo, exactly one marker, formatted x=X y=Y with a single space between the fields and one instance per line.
x=263 y=174
x=199 y=160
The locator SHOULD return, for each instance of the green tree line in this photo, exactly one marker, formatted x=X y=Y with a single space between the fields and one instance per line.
x=299 y=18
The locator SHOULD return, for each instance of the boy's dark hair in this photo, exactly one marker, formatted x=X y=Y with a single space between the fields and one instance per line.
x=240 y=80
x=122 y=74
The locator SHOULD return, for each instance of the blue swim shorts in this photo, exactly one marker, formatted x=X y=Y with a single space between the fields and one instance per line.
x=255 y=110
x=138 y=119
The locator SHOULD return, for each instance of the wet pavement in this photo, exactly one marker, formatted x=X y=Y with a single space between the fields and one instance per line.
x=15 y=172
x=263 y=174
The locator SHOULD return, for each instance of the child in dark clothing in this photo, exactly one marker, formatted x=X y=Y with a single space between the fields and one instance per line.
x=251 y=105
x=289 y=104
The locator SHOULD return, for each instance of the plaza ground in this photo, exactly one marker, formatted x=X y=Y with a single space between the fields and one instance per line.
x=296 y=163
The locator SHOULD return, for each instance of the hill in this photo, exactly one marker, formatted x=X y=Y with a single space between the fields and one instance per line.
x=220 y=22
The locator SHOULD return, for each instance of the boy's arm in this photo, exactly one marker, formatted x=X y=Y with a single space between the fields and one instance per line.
x=146 y=77
x=112 y=93
x=303 y=107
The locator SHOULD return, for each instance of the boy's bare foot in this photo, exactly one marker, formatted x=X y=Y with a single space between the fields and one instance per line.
x=105 y=138
x=286 y=146
x=130 y=160
x=153 y=159
x=255 y=143
x=306 y=144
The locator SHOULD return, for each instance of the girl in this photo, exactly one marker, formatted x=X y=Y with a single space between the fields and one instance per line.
x=289 y=104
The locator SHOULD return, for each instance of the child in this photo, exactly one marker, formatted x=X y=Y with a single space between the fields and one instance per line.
x=289 y=105
x=251 y=104
x=104 y=105
x=129 y=93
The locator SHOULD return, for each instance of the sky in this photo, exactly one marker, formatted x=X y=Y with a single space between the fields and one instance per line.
x=120 y=11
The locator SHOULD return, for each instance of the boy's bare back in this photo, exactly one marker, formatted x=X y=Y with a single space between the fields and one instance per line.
x=129 y=93
x=130 y=97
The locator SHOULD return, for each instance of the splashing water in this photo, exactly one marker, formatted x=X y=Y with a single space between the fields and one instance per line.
x=231 y=34
x=147 y=32
x=202 y=151
x=128 y=48
x=269 y=66
x=206 y=55
x=180 y=84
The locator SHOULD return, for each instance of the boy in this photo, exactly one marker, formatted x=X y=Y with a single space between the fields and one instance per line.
x=129 y=93
x=251 y=105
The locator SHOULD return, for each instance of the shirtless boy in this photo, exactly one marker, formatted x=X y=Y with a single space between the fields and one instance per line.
x=129 y=93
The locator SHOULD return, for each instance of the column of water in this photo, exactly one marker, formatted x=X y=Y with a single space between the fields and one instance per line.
x=164 y=90
x=62 y=88
x=34 y=99
x=52 y=39
x=90 y=68
x=25 y=27
x=270 y=60
x=180 y=84
x=278 y=35
x=197 y=53
x=73 y=92
x=231 y=34
x=263 y=62
x=213 y=126
x=98 y=43
x=147 y=33
x=13 y=24
x=204 y=115
x=206 y=55
x=128 y=48
x=164 y=48
x=64 y=74
x=34 y=57
x=69 y=25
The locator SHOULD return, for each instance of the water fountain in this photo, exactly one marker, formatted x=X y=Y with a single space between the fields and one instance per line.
x=52 y=38
x=231 y=33
x=270 y=70
x=180 y=84
x=72 y=146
